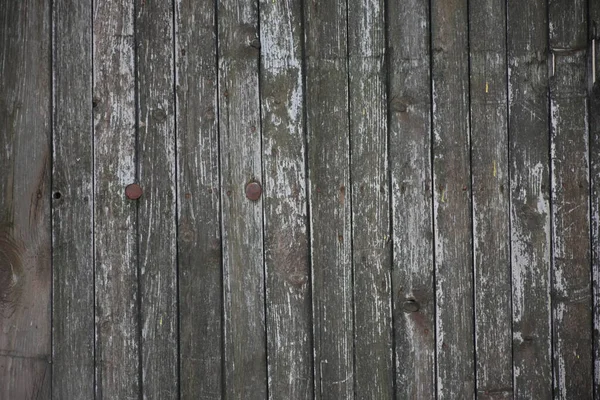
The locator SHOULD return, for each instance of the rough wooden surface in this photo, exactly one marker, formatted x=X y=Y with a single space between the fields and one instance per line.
x=371 y=236
x=491 y=218
x=529 y=197
x=198 y=197
x=329 y=197
x=157 y=234
x=242 y=219
x=594 y=126
x=408 y=28
x=115 y=216
x=72 y=213
x=25 y=242
x=287 y=262
x=452 y=201
x=571 y=290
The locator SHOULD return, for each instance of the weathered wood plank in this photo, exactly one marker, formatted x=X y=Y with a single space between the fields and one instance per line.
x=529 y=197
x=371 y=240
x=289 y=328
x=571 y=290
x=491 y=213
x=115 y=217
x=594 y=126
x=157 y=210
x=242 y=219
x=329 y=176
x=72 y=214
x=25 y=241
x=452 y=200
x=411 y=178
x=410 y=168
x=200 y=286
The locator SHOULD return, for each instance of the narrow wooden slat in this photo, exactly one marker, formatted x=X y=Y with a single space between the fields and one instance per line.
x=157 y=213
x=72 y=214
x=571 y=290
x=242 y=219
x=491 y=214
x=200 y=287
x=287 y=261
x=371 y=241
x=594 y=126
x=329 y=196
x=452 y=200
x=529 y=197
x=25 y=241
x=410 y=167
x=115 y=217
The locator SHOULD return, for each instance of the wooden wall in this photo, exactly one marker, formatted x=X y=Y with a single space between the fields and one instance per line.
x=428 y=225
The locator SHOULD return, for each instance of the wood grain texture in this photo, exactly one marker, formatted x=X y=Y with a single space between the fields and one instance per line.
x=329 y=197
x=115 y=216
x=594 y=127
x=452 y=201
x=287 y=262
x=25 y=240
x=242 y=219
x=529 y=197
x=491 y=214
x=157 y=207
x=72 y=213
x=199 y=242
x=371 y=240
x=408 y=28
x=571 y=290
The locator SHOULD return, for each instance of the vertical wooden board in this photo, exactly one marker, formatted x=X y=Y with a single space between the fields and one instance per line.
x=72 y=213
x=411 y=185
x=452 y=200
x=115 y=217
x=25 y=242
x=491 y=214
x=529 y=197
x=571 y=290
x=157 y=213
x=288 y=308
x=594 y=126
x=199 y=242
x=242 y=219
x=371 y=241
x=329 y=176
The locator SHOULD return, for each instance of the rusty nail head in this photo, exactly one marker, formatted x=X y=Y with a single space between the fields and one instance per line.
x=253 y=191
x=133 y=191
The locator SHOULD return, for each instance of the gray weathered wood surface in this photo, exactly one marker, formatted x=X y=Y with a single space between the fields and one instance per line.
x=428 y=225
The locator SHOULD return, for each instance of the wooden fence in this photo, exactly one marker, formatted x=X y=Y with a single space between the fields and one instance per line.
x=340 y=199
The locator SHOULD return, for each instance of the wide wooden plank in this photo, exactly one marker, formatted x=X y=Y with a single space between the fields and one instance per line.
x=452 y=200
x=571 y=289
x=25 y=241
x=371 y=240
x=329 y=181
x=198 y=196
x=242 y=219
x=594 y=126
x=411 y=190
x=115 y=216
x=157 y=212
x=287 y=267
x=491 y=214
x=72 y=213
x=529 y=197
